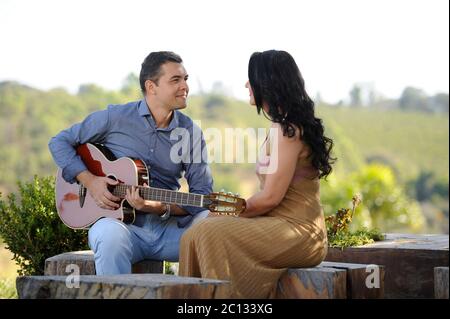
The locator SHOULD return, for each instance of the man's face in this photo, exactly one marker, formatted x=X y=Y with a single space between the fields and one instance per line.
x=172 y=89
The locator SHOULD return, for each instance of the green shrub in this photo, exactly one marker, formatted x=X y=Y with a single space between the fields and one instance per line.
x=359 y=237
x=339 y=233
x=31 y=228
x=385 y=205
x=168 y=268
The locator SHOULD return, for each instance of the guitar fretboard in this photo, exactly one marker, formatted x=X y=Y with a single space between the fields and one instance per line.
x=162 y=195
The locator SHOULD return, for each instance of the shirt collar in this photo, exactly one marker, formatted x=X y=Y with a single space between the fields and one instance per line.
x=145 y=111
x=174 y=122
x=143 y=108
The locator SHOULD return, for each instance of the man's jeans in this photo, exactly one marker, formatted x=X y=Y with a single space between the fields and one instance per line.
x=117 y=246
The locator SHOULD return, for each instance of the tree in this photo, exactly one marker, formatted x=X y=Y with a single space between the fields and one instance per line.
x=439 y=102
x=413 y=99
x=131 y=87
x=355 y=96
x=318 y=99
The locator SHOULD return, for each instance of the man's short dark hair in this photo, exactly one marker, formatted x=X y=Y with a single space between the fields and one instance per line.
x=151 y=67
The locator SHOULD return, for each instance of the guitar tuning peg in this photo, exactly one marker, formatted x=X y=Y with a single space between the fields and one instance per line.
x=230 y=194
x=222 y=191
x=237 y=195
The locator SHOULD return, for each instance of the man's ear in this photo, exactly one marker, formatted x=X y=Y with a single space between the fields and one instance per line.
x=150 y=87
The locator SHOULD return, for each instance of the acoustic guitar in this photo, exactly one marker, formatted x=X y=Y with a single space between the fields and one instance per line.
x=78 y=210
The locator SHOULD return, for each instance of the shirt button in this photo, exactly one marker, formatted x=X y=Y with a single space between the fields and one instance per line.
x=151 y=150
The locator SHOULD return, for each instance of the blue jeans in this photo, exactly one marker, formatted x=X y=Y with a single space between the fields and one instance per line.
x=117 y=245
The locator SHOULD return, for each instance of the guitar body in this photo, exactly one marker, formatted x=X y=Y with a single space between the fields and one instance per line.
x=76 y=208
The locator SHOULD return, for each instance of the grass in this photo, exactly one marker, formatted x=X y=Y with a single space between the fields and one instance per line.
x=8 y=288
x=8 y=274
x=409 y=141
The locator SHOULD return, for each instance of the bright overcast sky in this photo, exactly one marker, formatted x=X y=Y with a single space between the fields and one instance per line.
x=389 y=44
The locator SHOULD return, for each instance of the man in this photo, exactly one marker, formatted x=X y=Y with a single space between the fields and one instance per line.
x=140 y=130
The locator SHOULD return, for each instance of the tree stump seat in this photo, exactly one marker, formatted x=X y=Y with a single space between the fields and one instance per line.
x=329 y=280
x=332 y=280
x=129 y=286
x=62 y=264
x=409 y=261
x=441 y=282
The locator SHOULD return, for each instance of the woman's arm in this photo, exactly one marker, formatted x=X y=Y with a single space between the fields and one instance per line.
x=277 y=183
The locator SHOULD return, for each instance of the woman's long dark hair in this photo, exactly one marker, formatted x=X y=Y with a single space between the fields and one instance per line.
x=276 y=80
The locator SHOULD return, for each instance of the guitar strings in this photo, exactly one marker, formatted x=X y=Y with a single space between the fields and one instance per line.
x=163 y=195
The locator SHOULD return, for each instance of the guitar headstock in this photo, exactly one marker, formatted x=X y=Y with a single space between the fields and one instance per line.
x=224 y=203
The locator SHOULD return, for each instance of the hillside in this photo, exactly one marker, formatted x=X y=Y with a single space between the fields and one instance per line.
x=415 y=145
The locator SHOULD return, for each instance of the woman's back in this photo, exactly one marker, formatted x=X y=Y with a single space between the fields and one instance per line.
x=301 y=204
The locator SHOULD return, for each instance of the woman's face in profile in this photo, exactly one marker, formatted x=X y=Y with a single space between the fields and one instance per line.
x=252 y=98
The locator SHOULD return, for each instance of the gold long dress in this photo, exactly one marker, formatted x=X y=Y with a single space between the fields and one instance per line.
x=254 y=252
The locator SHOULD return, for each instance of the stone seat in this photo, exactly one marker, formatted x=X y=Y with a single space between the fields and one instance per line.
x=61 y=265
x=332 y=280
x=441 y=282
x=329 y=280
x=130 y=286
x=409 y=260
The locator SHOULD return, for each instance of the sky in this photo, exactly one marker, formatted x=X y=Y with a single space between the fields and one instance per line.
x=383 y=44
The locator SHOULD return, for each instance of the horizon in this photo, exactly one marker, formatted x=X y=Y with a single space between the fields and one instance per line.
x=381 y=45
x=343 y=101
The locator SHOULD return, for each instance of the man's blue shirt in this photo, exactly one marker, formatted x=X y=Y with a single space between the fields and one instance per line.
x=130 y=130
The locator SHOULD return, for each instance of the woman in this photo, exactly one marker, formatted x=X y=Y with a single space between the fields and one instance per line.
x=283 y=225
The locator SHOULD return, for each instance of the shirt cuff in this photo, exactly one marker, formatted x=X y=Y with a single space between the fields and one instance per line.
x=71 y=171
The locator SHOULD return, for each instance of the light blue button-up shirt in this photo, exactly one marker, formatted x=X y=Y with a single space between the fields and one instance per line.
x=130 y=130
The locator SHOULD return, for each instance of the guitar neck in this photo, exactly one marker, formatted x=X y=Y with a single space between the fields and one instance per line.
x=162 y=195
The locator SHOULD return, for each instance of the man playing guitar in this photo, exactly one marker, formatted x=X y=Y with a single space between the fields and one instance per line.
x=141 y=130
